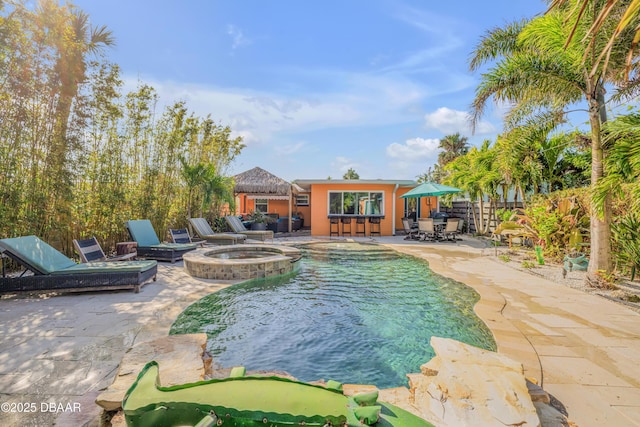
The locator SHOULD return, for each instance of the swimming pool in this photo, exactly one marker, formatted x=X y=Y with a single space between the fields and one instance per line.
x=355 y=313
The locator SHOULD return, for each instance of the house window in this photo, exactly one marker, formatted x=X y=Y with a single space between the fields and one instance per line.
x=356 y=203
x=302 y=200
x=262 y=205
x=412 y=208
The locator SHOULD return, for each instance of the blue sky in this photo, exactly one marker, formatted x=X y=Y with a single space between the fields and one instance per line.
x=315 y=87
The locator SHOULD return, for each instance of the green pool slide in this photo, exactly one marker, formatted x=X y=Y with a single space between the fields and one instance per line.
x=255 y=401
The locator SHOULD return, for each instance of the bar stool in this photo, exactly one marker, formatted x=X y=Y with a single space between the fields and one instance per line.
x=346 y=223
x=374 y=226
x=334 y=226
x=361 y=225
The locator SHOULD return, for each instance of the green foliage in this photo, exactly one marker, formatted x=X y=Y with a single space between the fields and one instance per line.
x=351 y=174
x=553 y=220
x=505 y=214
x=626 y=241
x=505 y=258
x=77 y=156
x=539 y=256
x=528 y=264
x=260 y=217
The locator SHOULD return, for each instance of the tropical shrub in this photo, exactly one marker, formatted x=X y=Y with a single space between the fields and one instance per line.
x=558 y=221
x=626 y=243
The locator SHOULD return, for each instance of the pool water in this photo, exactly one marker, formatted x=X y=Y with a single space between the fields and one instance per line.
x=242 y=254
x=354 y=313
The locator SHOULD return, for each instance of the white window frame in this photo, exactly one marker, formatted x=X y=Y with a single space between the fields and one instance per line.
x=264 y=202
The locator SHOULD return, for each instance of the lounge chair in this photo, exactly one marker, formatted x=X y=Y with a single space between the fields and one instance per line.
x=181 y=235
x=149 y=245
x=412 y=233
x=237 y=227
x=53 y=271
x=90 y=250
x=204 y=231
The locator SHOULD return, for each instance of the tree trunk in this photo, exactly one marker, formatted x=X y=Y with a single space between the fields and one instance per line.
x=481 y=214
x=600 y=224
x=475 y=217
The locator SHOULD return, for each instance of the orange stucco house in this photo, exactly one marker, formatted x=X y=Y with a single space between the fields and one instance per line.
x=368 y=198
x=317 y=201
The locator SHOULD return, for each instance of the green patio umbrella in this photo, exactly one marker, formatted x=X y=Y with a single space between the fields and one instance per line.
x=429 y=189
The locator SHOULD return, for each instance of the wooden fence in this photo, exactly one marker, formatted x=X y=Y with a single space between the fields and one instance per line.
x=464 y=210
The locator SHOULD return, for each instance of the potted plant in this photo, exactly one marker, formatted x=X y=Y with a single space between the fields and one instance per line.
x=259 y=220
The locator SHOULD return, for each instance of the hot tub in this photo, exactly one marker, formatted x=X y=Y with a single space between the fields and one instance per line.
x=241 y=262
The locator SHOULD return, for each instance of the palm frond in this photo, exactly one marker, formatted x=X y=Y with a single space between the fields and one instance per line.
x=496 y=43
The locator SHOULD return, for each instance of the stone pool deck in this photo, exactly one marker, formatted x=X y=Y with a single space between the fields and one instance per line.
x=60 y=352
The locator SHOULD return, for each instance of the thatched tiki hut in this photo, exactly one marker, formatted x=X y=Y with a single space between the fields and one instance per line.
x=259 y=185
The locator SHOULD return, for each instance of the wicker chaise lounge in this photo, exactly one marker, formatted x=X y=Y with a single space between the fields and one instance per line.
x=237 y=227
x=53 y=271
x=203 y=229
x=149 y=245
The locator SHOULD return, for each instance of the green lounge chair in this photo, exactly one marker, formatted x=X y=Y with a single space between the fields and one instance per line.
x=53 y=271
x=237 y=227
x=203 y=229
x=149 y=245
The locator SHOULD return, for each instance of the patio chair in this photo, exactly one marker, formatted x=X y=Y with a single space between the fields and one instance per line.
x=451 y=229
x=53 y=271
x=237 y=227
x=204 y=231
x=90 y=250
x=427 y=229
x=181 y=235
x=149 y=245
x=412 y=233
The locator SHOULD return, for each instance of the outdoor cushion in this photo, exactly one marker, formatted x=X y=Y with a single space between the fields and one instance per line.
x=142 y=232
x=235 y=223
x=203 y=229
x=38 y=254
x=108 y=267
x=174 y=246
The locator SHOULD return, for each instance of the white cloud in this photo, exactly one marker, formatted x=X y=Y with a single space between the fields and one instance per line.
x=412 y=157
x=290 y=149
x=237 y=37
x=414 y=150
x=341 y=165
x=450 y=121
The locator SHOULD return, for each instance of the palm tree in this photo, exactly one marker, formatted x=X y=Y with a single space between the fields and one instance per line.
x=626 y=14
x=623 y=161
x=351 y=174
x=541 y=75
x=202 y=180
x=453 y=146
x=476 y=174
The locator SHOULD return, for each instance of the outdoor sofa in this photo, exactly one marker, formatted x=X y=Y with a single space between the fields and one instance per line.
x=149 y=246
x=53 y=271
x=204 y=231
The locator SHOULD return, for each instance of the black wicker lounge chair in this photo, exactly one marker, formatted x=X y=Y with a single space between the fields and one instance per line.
x=149 y=245
x=53 y=271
